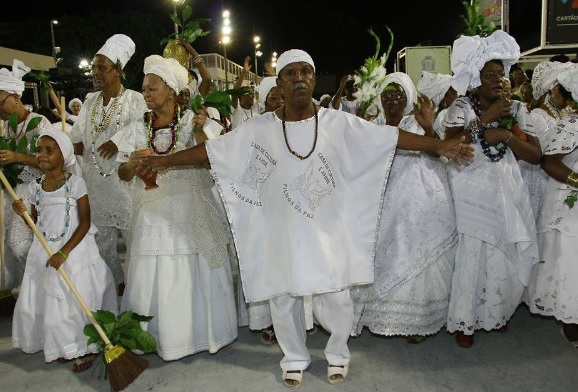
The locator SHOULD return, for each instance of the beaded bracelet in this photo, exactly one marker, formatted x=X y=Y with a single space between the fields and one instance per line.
x=63 y=254
x=197 y=60
x=476 y=129
x=572 y=179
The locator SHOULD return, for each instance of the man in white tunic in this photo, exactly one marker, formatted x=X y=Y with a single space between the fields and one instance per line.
x=97 y=132
x=309 y=184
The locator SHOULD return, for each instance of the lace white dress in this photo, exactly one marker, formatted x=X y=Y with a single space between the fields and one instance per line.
x=553 y=288
x=415 y=252
x=179 y=270
x=497 y=233
x=47 y=316
x=122 y=114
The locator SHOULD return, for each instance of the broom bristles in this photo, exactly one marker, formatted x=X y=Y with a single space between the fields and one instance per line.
x=124 y=369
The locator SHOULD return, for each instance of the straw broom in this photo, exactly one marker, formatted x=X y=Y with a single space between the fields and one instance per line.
x=7 y=300
x=122 y=366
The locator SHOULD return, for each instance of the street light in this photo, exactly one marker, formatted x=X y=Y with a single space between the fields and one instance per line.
x=258 y=53
x=226 y=39
x=55 y=49
x=274 y=60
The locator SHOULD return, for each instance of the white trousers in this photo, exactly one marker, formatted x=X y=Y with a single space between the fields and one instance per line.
x=333 y=311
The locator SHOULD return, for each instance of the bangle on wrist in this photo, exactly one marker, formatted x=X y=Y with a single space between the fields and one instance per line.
x=63 y=254
x=572 y=179
x=507 y=140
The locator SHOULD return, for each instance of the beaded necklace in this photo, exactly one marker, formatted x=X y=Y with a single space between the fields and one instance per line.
x=99 y=127
x=247 y=117
x=39 y=221
x=22 y=126
x=314 y=140
x=500 y=148
x=152 y=128
x=556 y=113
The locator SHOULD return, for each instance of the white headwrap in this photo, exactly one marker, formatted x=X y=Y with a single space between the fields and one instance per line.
x=293 y=56
x=11 y=81
x=72 y=101
x=118 y=48
x=408 y=87
x=168 y=69
x=63 y=141
x=569 y=79
x=470 y=54
x=264 y=87
x=434 y=86
x=324 y=96
x=545 y=76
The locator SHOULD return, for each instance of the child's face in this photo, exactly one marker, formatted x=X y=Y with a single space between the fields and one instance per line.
x=49 y=156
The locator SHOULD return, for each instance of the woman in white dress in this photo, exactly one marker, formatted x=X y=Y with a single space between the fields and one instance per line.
x=47 y=317
x=179 y=270
x=496 y=225
x=553 y=290
x=415 y=251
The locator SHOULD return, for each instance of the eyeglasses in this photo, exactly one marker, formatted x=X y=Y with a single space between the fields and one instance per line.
x=493 y=75
x=397 y=96
x=4 y=100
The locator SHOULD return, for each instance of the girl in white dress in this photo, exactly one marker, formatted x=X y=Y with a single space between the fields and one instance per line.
x=47 y=316
x=179 y=269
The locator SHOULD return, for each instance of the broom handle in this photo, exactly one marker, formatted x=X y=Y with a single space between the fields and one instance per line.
x=63 y=273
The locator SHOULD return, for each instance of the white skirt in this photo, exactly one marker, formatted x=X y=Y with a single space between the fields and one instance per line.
x=45 y=322
x=486 y=289
x=553 y=288
x=418 y=307
x=193 y=305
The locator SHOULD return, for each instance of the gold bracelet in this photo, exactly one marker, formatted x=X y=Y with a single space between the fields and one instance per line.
x=572 y=179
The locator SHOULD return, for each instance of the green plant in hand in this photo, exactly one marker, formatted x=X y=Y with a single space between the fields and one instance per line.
x=13 y=170
x=220 y=100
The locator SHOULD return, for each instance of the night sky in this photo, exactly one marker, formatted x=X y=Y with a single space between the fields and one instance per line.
x=335 y=35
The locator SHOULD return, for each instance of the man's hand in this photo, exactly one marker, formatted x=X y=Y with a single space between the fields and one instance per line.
x=456 y=150
x=107 y=149
x=424 y=112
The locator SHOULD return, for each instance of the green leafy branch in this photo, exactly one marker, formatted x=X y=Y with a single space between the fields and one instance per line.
x=571 y=199
x=13 y=170
x=476 y=22
x=43 y=78
x=220 y=100
x=190 y=29
x=122 y=330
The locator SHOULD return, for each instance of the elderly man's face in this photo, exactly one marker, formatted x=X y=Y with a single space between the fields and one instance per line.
x=298 y=82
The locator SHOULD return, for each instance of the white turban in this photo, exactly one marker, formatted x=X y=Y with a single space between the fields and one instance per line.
x=264 y=87
x=470 y=54
x=434 y=86
x=545 y=76
x=408 y=87
x=569 y=79
x=11 y=81
x=168 y=69
x=119 y=49
x=293 y=56
x=324 y=96
x=73 y=100
x=63 y=141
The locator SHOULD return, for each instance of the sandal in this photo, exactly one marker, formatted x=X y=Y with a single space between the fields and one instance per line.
x=292 y=378
x=415 y=339
x=336 y=374
x=463 y=340
x=62 y=360
x=268 y=336
x=83 y=363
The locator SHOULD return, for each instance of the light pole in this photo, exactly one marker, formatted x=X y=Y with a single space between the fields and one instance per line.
x=226 y=39
x=258 y=53
x=55 y=50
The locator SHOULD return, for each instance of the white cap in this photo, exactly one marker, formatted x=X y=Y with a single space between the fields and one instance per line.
x=293 y=56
